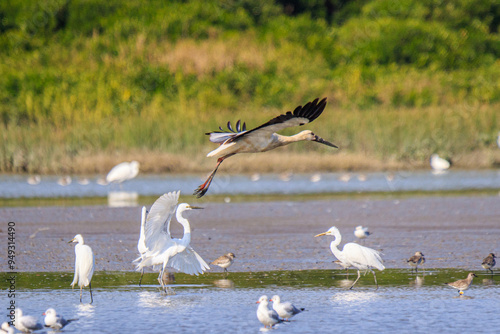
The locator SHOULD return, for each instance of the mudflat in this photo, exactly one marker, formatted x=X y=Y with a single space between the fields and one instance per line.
x=451 y=231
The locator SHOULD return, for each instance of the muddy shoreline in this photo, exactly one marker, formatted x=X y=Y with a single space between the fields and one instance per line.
x=452 y=232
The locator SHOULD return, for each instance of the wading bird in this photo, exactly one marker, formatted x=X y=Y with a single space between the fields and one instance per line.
x=416 y=260
x=141 y=244
x=164 y=250
x=360 y=257
x=123 y=172
x=264 y=137
x=463 y=284
x=285 y=310
x=84 y=265
x=26 y=323
x=224 y=261
x=489 y=262
x=54 y=320
x=439 y=164
x=266 y=316
x=6 y=329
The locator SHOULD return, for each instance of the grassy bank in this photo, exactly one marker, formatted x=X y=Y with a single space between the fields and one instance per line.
x=87 y=84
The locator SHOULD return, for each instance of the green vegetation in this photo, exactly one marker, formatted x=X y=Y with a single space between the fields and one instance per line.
x=87 y=79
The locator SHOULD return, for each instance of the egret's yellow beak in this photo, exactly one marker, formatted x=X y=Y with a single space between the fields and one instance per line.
x=319 y=235
x=195 y=207
x=71 y=240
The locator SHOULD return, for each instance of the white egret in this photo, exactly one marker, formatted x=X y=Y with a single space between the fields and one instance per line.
x=54 y=320
x=344 y=266
x=264 y=137
x=26 y=323
x=6 y=328
x=164 y=250
x=266 y=316
x=438 y=163
x=84 y=265
x=361 y=232
x=360 y=257
x=141 y=244
x=224 y=261
x=489 y=262
x=463 y=284
x=285 y=310
x=416 y=260
x=123 y=172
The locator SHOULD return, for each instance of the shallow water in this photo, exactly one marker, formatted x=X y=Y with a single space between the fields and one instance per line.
x=152 y=185
x=210 y=303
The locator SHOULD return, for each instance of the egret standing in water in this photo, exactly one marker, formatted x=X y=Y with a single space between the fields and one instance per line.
x=123 y=172
x=84 y=265
x=360 y=257
x=264 y=137
x=141 y=244
x=164 y=250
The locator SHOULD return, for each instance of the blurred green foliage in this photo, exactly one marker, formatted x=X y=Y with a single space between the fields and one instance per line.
x=113 y=75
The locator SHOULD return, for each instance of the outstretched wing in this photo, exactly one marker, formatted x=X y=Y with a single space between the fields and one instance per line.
x=300 y=116
x=157 y=228
x=188 y=262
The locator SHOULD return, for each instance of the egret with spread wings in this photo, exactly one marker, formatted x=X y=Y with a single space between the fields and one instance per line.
x=264 y=137
x=164 y=250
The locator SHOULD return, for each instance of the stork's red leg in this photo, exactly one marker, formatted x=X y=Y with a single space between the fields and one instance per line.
x=202 y=190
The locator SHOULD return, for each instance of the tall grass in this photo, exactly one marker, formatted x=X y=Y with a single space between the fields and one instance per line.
x=108 y=80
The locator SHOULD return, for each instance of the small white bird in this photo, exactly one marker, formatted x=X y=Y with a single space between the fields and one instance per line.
x=438 y=163
x=123 y=172
x=266 y=316
x=84 y=265
x=361 y=232
x=224 y=261
x=6 y=329
x=64 y=181
x=285 y=310
x=26 y=323
x=54 y=320
x=360 y=257
x=33 y=180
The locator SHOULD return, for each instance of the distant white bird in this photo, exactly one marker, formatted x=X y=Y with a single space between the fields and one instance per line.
x=33 y=180
x=6 y=328
x=264 y=137
x=164 y=250
x=463 y=284
x=315 y=178
x=224 y=261
x=360 y=257
x=266 y=316
x=83 y=181
x=361 y=232
x=64 y=181
x=416 y=260
x=285 y=310
x=255 y=177
x=141 y=244
x=54 y=320
x=438 y=163
x=84 y=265
x=26 y=323
x=123 y=172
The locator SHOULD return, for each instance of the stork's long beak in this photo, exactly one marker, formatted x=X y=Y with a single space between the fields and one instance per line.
x=319 y=235
x=71 y=240
x=322 y=141
x=195 y=207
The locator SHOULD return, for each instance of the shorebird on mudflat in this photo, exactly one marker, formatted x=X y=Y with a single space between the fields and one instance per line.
x=463 y=284
x=416 y=260
x=489 y=262
x=224 y=261
x=264 y=137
